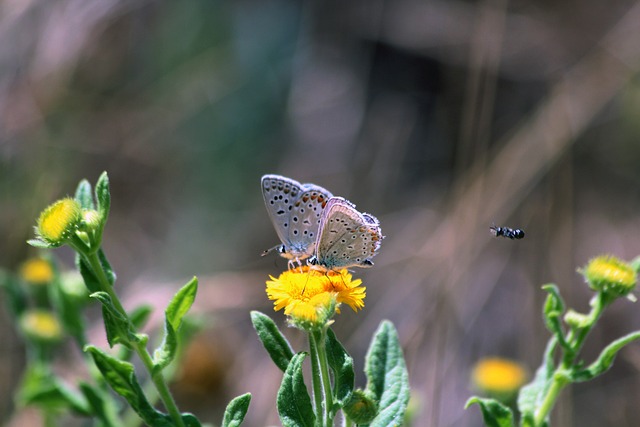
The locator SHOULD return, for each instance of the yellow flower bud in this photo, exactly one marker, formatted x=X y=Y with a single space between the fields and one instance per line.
x=610 y=275
x=59 y=221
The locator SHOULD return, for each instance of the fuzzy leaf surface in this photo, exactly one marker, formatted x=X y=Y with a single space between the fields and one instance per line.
x=84 y=196
x=236 y=410
x=294 y=402
x=103 y=196
x=272 y=339
x=387 y=376
x=122 y=379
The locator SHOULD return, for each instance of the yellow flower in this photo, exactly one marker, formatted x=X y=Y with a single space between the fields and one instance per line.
x=59 y=221
x=611 y=275
x=310 y=295
x=41 y=325
x=499 y=377
x=37 y=271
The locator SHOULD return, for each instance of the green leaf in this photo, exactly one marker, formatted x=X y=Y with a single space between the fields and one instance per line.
x=554 y=307
x=40 y=244
x=554 y=301
x=90 y=279
x=106 y=267
x=122 y=379
x=494 y=413
x=532 y=395
x=605 y=359
x=236 y=410
x=84 y=195
x=272 y=339
x=178 y=307
x=164 y=354
x=103 y=196
x=181 y=303
x=102 y=407
x=189 y=420
x=294 y=403
x=116 y=325
x=342 y=366
x=387 y=376
x=40 y=388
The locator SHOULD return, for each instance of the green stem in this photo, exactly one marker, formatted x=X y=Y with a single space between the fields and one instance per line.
x=140 y=348
x=95 y=264
x=161 y=385
x=319 y=338
x=575 y=340
x=550 y=399
x=316 y=379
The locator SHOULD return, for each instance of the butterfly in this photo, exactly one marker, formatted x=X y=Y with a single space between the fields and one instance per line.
x=295 y=211
x=346 y=237
x=507 y=232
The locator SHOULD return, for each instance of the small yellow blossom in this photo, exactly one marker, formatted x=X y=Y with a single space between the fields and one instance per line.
x=41 y=325
x=611 y=275
x=37 y=271
x=59 y=221
x=311 y=295
x=498 y=377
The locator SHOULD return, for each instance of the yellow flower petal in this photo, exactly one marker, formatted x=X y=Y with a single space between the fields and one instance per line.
x=305 y=292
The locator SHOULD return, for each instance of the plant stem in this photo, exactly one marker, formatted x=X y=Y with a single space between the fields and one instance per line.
x=575 y=339
x=319 y=338
x=161 y=385
x=316 y=379
x=550 y=399
x=140 y=348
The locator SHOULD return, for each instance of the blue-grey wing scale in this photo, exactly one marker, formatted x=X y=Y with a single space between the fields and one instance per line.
x=346 y=238
x=295 y=210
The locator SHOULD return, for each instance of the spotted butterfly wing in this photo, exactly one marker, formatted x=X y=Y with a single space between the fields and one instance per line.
x=346 y=238
x=295 y=210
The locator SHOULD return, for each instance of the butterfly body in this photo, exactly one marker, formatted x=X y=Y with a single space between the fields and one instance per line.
x=507 y=232
x=346 y=237
x=295 y=211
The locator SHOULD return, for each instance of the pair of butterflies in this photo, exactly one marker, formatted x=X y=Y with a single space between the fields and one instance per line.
x=314 y=225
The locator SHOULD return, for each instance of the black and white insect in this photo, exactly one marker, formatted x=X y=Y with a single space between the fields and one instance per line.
x=510 y=233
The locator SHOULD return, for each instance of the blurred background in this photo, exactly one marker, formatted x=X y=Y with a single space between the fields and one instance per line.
x=439 y=117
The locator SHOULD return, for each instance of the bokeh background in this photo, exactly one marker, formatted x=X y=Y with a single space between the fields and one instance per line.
x=439 y=117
